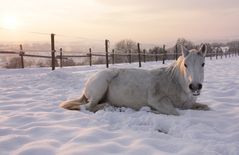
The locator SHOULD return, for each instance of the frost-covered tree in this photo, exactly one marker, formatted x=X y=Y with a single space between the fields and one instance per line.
x=188 y=44
x=125 y=46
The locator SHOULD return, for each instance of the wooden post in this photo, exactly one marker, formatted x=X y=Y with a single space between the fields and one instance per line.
x=156 y=55
x=106 y=53
x=216 y=53
x=130 y=57
x=164 y=52
x=53 y=51
x=113 y=56
x=90 y=57
x=144 y=55
x=176 y=51
x=138 y=45
x=61 y=62
x=210 y=54
x=21 y=55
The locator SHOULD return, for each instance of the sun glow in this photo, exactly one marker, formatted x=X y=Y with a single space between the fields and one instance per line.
x=9 y=22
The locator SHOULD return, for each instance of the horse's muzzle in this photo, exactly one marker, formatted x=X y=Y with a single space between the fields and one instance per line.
x=196 y=93
x=195 y=88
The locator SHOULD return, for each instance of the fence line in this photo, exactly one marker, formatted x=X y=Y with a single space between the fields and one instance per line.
x=141 y=54
x=165 y=56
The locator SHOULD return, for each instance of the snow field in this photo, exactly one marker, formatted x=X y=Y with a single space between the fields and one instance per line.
x=31 y=121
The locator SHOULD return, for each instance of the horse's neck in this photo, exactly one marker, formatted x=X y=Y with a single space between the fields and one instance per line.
x=177 y=74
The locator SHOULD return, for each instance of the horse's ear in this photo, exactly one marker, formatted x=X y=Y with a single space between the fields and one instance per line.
x=184 y=50
x=203 y=49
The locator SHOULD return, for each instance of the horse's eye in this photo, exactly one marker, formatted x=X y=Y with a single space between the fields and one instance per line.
x=203 y=64
x=185 y=65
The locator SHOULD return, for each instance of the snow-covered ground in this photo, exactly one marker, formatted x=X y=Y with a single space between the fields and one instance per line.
x=31 y=122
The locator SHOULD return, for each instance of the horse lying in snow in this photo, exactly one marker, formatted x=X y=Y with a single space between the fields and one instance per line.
x=163 y=89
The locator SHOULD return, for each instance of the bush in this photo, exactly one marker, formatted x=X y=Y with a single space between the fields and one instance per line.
x=49 y=64
x=68 y=62
x=14 y=62
x=41 y=64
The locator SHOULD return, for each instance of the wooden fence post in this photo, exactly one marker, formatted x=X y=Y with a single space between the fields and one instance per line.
x=164 y=52
x=53 y=51
x=216 y=53
x=106 y=53
x=90 y=57
x=61 y=62
x=156 y=55
x=138 y=45
x=130 y=57
x=144 y=55
x=210 y=54
x=176 y=51
x=21 y=55
x=113 y=56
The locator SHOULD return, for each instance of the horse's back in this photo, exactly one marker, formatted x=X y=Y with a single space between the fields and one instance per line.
x=129 y=88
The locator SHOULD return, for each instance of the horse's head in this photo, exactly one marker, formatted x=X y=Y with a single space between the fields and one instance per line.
x=193 y=68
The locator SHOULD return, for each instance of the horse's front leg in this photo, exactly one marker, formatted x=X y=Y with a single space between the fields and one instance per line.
x=162 y=105
x=199 y=106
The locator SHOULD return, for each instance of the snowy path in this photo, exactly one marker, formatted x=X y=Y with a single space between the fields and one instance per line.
x=32 y=123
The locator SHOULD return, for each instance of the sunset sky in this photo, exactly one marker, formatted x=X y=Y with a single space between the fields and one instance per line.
x=151 y=21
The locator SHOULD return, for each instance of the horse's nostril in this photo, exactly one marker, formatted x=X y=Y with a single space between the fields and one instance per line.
x=194 y=87
x=199 y=86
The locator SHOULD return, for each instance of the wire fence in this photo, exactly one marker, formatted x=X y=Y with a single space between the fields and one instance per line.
x=57 y=55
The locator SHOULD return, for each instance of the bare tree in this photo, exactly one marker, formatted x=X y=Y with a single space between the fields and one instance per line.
x=188 y=44
x=125 y=46
x=233 y=44
x=156 y=50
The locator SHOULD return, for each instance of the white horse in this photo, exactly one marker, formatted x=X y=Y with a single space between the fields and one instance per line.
x=163 y=89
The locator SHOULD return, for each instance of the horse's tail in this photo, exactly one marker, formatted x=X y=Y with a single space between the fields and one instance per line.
x=74 y=104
